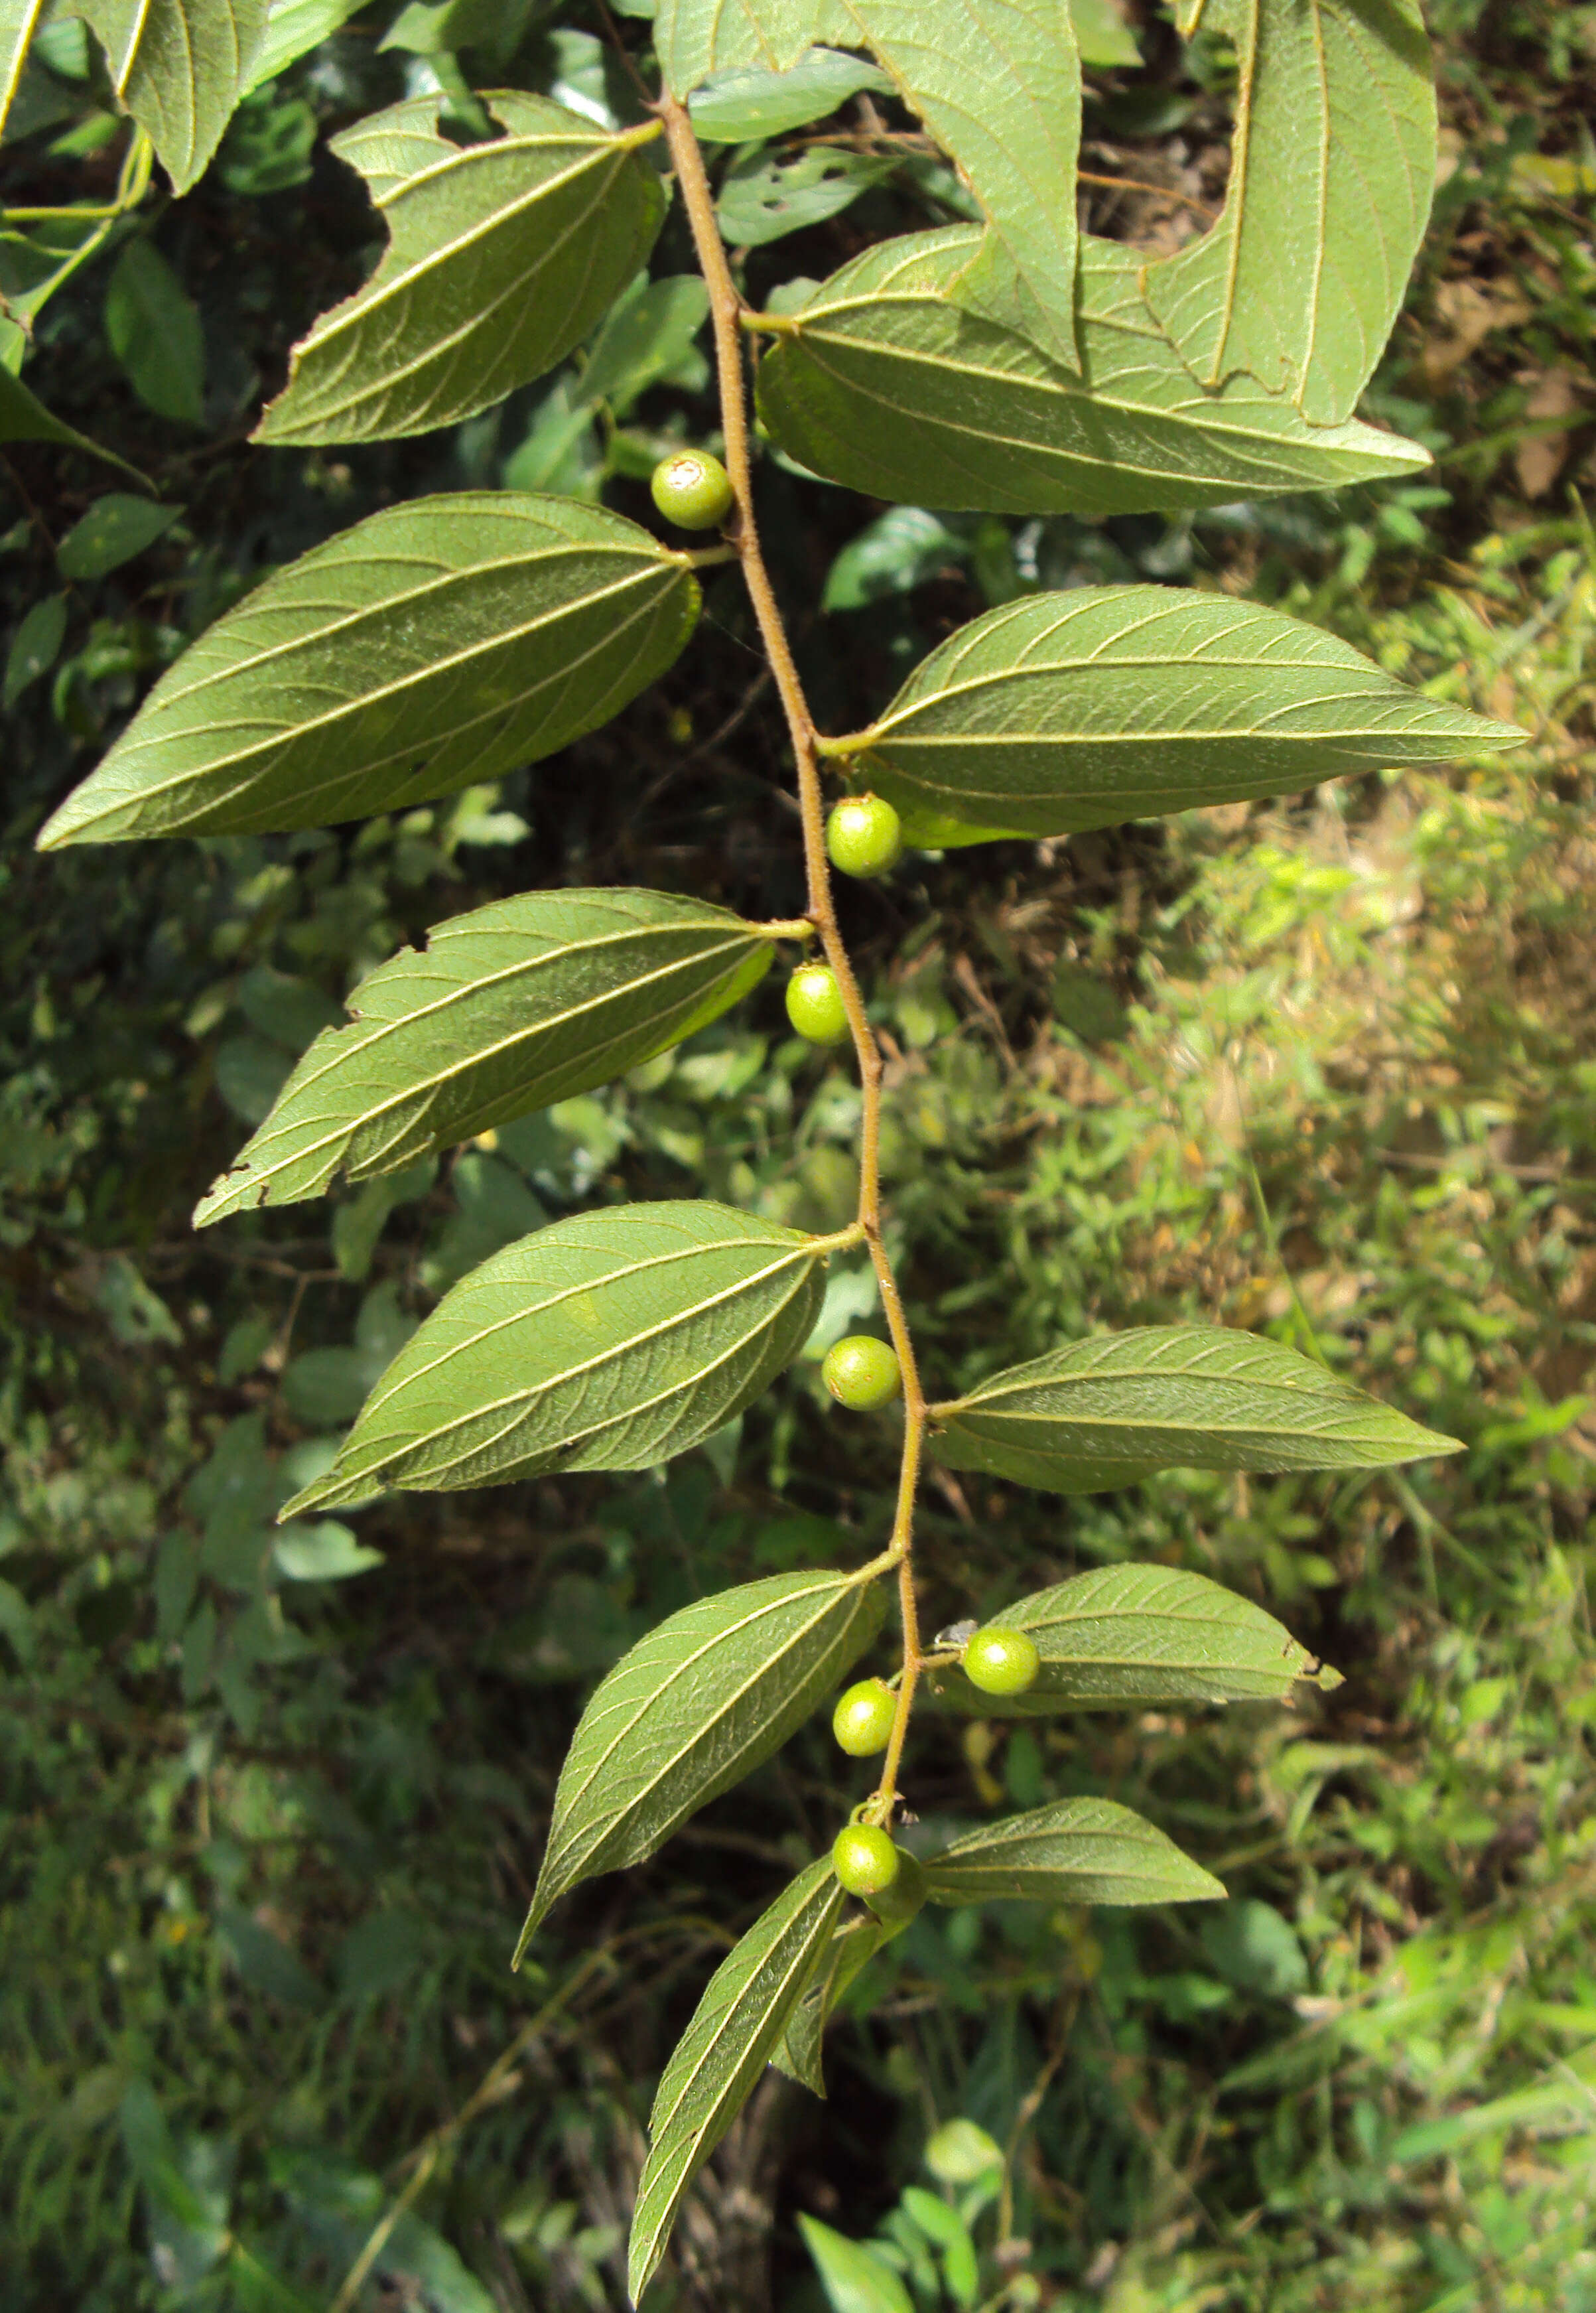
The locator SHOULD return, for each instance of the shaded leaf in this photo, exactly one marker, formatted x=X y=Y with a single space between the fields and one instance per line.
x=18 y=24
x=610 y=1340
x=1071 y=1851
x=23 y=417
x=798 y=2052
x=1113 y=1408
x=647 y=335
x=180 y=66
x=694 y=1707
x=1332 y=166
x=113 y=531
x=884 y=381
x=502 y=256
x=153 y=325
x=766 y=196
x=751 y=103
x=34 y=647
x=432 y=646
x=509 y=1008
x=722 y=2052
x=855 y=2279
x=1059 y=712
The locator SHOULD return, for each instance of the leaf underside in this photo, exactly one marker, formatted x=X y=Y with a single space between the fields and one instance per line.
x=180 y=66
x=1077 y=1850
x=798 y=2052
x=694 y=39
x=429 y=647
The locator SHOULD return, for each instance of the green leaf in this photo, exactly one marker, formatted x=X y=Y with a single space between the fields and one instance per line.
x=1105 y=40
x=695 y=39
x=724 y=2050
x=34 y=647
x=432 y=646
x=694 y=1707
x=1070 y=1851
x=798 y=2052
x=153 y=325
x=23 y=417
x=766 y=196
x=1114 y=1407
x=180 y=66
x=893 y=555
x=1059 y=712
x=327 y=1551
x=750 y=104
x=1332 y=166
x=855 y=2279
x=884 y=381
x=997 y=83
x=113 y=531
x=1149 y=1634
x=512 y=1007
x=502 y=256
x=293 y=28
x=647 y=334
x=18 y=24
x=610 y=1340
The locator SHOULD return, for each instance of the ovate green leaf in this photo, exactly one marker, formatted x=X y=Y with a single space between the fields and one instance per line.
x=500 y=257
x=509 y=1008
x=112 y=532
x=1058 y=712
x=432 y=645
x=722 y=2053
x=18 y=20
x=883 y=381
x=1113 y=1407
x=607 y=1341
x=694 y=39
x=855 y=2278
x=154 y=328
x=766 y=195
x=1071 y=1852
x=293 y=28
x=23 y=417
x=1332 y=165
x=180 y=66
x=744 y=106
x=998 y=84
x=693 y=1708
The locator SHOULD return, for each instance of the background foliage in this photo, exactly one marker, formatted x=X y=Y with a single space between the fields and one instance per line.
x=273 y=1798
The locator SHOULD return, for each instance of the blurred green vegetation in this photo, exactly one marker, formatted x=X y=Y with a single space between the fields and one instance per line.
x=271 y=1799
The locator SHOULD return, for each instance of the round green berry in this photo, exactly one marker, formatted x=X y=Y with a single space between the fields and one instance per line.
x=1001 y=1662
x=862 y=1373
x=863 y=1719
x=865 y=1859
x=692 y=490
x=863 y=836
x=815 y=1005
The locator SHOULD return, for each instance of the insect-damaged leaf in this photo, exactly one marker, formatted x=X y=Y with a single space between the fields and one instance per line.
x=1072 y=1851
x=1145 y=1634
x=500 y=257
x=693 y=1708
x=431 y=647
x=1332 y=165
x=610 y=1340
x=180 y=66
x=722 y=2052
x=1115 y=1407
x=883 y=381
x=509 y=1008
x=1060 y=712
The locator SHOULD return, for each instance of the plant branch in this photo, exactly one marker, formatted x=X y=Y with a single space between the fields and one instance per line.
x=726 y=317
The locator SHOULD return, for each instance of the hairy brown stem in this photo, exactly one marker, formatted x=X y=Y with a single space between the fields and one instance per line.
x=725 y=311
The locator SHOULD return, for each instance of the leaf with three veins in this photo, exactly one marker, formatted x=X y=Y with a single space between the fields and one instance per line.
x=500 y=257
x=722 y=2053
x=1060 y=712
x=694 y=1707
x=1113 y=1407
x=609 y=1341
x=1332 y=167
x=1071 y=1851
x=431 y=647
x=997 y=83
x=180 y=66
x=1142 y=1634
x=883 y=381
x=697 y=38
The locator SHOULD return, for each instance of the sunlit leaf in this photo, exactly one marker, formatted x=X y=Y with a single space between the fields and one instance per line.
x=1113 y=1408
x=694 y=39
x=750 y=103
x=694 y=1707
x=767 y=196
x=501 y=257
x=882 y=381
x=1080 y=709
x=509 y=1008
x=1071 y=1852
x=722 y=2052
x=610 y=1340
x=180 y=66
x=854 y=2277
x=432 y=646
x=18 y=20
x=293 y=28
x=1332 y=166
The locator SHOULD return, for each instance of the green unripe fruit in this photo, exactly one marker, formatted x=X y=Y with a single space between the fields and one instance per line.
x=865 y=1859
x=692 y=490
x=1001 y=1662
x=814 y=1005
x=863 y=1719
x=897 y=1905
x=863 y=836
x=862 y=1373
